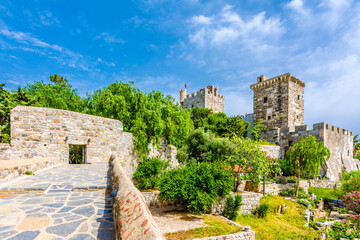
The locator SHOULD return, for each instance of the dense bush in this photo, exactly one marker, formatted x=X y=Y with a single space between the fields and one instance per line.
x=147 y=174
x=291 y=192
x=203 y=146
x=198 y=185
x=232 y=206
x=261 y=211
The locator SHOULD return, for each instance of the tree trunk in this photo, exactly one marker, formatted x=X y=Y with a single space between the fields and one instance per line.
x=298 y=178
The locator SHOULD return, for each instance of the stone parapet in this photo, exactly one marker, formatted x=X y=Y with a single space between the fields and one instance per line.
x=132 y=218
x=12 y=169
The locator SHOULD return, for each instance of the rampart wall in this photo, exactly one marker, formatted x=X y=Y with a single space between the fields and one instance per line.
x=132 y=218
x=338 y=140
x=47 y=133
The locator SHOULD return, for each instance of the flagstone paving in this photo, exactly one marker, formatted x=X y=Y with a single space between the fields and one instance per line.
x=73 y=205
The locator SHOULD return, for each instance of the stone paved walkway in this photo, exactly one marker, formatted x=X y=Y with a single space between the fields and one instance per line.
x=73 y=205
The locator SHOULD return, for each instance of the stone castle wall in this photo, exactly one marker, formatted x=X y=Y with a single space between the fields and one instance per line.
x=205 y=98
x=338 y=140
x=273 y=151
x=47 y=133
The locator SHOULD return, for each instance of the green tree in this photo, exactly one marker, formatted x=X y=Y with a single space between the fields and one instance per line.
x=205 y=147
x=147 y=116
x=60 y=80
x=224 y=126
x=307 y=156
x=58 y=95
x=6 y=104
x=255 y=130
x=147 y=174
x=250 y=158
x=198 y=114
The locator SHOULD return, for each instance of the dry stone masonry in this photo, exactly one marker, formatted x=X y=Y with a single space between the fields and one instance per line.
x=205 y=98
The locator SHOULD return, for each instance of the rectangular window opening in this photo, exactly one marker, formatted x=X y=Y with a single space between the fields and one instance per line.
x=77 y=154
x=265 y=99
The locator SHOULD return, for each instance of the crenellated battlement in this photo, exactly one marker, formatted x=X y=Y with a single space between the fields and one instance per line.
x=208 y=97
x=263 y=81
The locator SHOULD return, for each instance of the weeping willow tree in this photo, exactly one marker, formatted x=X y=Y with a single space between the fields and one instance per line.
x=307 y=156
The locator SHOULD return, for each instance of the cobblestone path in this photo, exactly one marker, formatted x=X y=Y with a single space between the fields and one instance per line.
x=64 y=202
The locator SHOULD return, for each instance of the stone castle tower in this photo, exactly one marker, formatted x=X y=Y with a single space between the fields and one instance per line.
x=205 y=98
x=279 y=101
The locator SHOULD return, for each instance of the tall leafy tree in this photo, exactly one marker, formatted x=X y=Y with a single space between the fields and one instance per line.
x=249 y=158
x=307 y=156
x=147 y=116
x=198 y=114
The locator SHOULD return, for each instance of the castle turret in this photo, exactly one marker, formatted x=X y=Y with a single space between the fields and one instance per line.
x=182 y=95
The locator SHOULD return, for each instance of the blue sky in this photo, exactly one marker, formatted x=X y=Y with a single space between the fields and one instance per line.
x=161 y=44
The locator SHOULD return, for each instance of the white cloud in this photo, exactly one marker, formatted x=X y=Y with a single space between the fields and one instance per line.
x=201 y=19
x=110 y=38
x=229 y=27
x=26 y=42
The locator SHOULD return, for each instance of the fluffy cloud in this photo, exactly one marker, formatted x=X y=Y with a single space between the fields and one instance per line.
x=109 y=38
x=228 y=26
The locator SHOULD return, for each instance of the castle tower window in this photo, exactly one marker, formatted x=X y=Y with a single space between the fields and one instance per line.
x=269 y=117
x=265 y=99
x=298 y=97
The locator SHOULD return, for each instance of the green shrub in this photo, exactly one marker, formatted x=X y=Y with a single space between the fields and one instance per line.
x=291 y=192
x=198 y=185
x=232 y=206
x=28 y=172
x=281 y=181
x=262 y=210
x=291 y=179
x=325 y=193
x=147 y=174
x=341 y=230
x=304 y=202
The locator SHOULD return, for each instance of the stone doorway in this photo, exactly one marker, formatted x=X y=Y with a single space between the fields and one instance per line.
x=77 y=154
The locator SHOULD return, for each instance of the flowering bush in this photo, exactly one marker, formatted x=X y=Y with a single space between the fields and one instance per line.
x=352 y=201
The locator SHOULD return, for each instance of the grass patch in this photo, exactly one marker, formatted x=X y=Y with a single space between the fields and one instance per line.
x=290 y=224
x=216 y=226
x=325 y=193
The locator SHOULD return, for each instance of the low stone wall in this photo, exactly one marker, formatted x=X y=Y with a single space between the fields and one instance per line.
x=132 y=218
x=250 y=201
x=275 y=188
x=244 y=234
x=324 y=183
x=12 y=169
